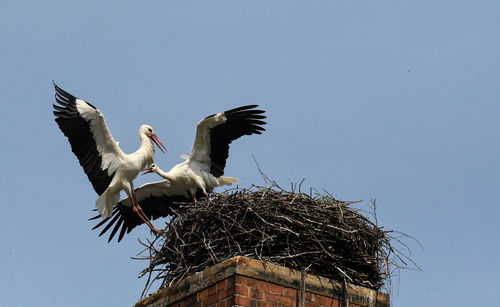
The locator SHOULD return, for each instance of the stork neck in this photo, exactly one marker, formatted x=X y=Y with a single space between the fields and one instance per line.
x=165 y=175
x=147 y=150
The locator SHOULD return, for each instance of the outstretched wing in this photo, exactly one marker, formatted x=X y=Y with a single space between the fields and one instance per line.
x=90 y=139
x=216 y=132
x=155 y=200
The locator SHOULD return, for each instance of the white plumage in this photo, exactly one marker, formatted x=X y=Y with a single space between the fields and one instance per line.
x=198 y=175
x=189 y=177
x=108 y=168
x=204 y=166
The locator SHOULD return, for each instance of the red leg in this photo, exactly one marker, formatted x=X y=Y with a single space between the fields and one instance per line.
x=138 y=210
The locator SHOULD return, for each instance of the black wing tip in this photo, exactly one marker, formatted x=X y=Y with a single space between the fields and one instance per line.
x=246 y=112
x=63 y=97
x=115 y=220
x=258 y=130
x=243 y=111
x=58 y=88
x=101 y=222
x=60 y=91
x=94 y=218
x=115 y=229
x=246 y=108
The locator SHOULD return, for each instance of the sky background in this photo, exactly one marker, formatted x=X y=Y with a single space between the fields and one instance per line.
x=397 y=101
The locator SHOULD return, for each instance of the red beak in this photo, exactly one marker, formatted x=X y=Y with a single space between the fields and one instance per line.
x=158 y=143
x=147 y=170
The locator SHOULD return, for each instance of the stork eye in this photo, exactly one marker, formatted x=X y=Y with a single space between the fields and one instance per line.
x=150 y=130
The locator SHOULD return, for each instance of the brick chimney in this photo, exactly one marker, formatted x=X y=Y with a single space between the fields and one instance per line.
x=242 y=281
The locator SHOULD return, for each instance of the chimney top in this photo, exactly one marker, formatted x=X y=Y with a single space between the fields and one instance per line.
x=250 y=280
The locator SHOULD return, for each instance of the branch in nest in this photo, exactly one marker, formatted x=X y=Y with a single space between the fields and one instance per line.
x=296 y=230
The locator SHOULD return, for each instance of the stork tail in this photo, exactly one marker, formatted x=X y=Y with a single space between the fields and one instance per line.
x=105 y=202
x=227 y=180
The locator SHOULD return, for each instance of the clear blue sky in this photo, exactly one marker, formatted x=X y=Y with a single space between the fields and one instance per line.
x=393 y=100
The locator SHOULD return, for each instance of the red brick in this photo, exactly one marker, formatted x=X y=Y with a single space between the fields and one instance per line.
x=242 y=290
x=336 y=303
x=290 y=292
x=309 y=297
x=212 y=290
x=230 y=291
x=212 y=299
x=202 y=294
x=256 y=294
x=221 y=285
x=323 y=300
x=188 y=301
x=231 y=280
x=269 y=297
x=286 y=301
x=241 y=300
x=249 y=282
x=269 y=287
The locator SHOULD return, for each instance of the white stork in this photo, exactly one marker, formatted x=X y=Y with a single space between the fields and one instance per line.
x=196 y=176
x=108 y=168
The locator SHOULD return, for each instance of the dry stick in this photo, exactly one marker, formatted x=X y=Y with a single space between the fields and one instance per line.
x=349 y=244
x=302 y=288
x=303 y=274
x=345 y=294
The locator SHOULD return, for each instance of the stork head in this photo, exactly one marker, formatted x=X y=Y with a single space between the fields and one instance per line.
x=148 y=131
x=152 y=168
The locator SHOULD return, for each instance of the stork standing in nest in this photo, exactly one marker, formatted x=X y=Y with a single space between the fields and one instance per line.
x=108 y=168
x=197 y=176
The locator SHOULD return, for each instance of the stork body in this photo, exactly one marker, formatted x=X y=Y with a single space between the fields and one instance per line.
x=128 y=169
x=108 y=168
x=204 y=166
x=190 y=177
x=198 y=175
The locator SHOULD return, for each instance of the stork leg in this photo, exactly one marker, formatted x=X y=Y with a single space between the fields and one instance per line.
x=194 y=197
x=138 y=210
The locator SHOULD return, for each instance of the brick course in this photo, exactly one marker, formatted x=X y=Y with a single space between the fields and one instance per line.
x=251 y=286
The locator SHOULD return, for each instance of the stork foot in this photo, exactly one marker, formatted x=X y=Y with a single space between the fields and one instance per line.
x=138 y=210
x=156 y=231
x=159 y=233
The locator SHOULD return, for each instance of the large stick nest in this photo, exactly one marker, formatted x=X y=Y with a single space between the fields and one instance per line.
x=319 y=234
